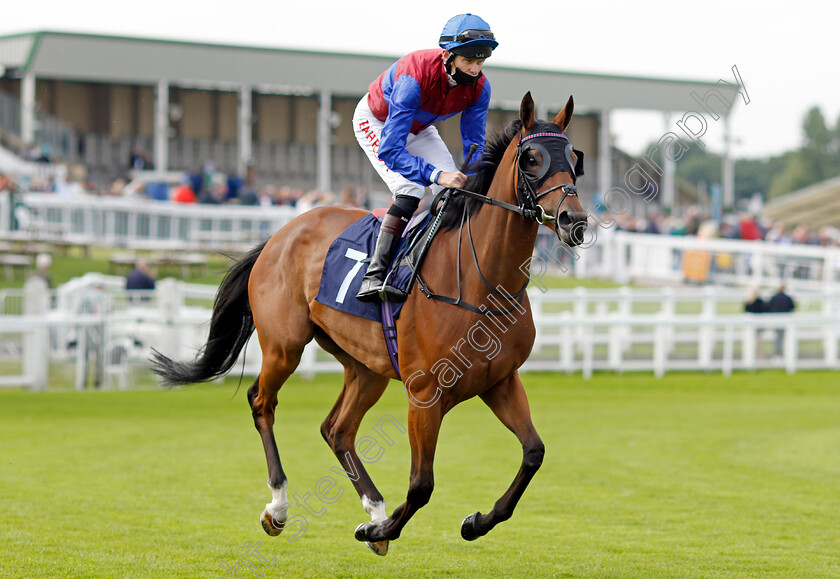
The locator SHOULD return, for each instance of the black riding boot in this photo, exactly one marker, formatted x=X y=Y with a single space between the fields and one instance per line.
x=373 y=284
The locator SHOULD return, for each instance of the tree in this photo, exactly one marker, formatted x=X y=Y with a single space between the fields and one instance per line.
x=817 y=160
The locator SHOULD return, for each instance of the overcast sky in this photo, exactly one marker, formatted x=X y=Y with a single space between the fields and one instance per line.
x=785 y=51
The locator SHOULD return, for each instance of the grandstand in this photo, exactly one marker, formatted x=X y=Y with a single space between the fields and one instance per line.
x=91 y=99
x=815 y=206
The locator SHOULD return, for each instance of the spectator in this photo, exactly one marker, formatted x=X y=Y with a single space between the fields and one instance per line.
x=247 y=194
x=43 y=262
x=750 y=229
x=217 y=193
x=780 y=303
x=184 y=193
x=139 y=277
x=348 y=198
x=755 y=305
x=137 y=160
x=116 y=188
x=267 y=195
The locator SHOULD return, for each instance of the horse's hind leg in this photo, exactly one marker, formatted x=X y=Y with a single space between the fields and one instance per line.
x=362 y=388
x=262 y=396
x=509 y=403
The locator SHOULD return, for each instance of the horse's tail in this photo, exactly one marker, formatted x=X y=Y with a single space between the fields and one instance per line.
x=230 y=327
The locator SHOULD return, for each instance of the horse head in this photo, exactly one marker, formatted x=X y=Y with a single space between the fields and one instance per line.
x=547 y=168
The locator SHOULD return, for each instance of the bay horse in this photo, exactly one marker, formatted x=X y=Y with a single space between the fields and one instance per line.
x=528 y=172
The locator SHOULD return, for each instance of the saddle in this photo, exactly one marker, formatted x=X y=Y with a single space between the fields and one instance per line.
x=346 y=261
x=349 y=255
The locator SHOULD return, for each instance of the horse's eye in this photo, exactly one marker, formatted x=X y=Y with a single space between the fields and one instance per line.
x=532 y=161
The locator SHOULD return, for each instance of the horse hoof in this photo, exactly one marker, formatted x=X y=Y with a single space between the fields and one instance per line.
x=380 y=547
x=271 y=525
x=361 y=532
x=468 y=531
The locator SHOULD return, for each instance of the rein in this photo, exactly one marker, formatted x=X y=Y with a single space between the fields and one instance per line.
x=528 y=208
x=528 y=197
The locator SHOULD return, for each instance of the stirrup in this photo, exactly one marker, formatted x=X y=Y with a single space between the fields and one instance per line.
x=388 y=293
x=381 y=292
x=369 y=292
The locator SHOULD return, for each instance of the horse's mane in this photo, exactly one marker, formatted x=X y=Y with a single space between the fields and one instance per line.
x=481 y=177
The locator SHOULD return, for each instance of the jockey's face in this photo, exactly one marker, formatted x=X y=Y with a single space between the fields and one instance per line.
x=471 y=66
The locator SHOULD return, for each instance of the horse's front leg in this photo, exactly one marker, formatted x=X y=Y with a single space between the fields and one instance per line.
x=423 y=430
x=509 y=403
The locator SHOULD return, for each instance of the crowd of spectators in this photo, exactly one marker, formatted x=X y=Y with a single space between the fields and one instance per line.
x=743 y=226
x=209 y=186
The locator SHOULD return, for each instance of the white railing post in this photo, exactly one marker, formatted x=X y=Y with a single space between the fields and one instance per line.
x=748 y=352
x=567 y=349
x=659 y=348
x=622 y=273
x=307 y=361
x=170 y=301
x=581 y=310
x=615 y=340
x=81 y=356
x=536 y=299
x=728 y=349
x=625 y=311
x=791 y=345
x=757 y=264
x=36 y=343
x=5 y=211
x=668 y=311
x=588 y=346
x=706 y=332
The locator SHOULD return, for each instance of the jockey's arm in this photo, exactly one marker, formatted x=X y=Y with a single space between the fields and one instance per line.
x=404 y=102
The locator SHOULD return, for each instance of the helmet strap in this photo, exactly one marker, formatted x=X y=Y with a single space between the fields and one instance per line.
x=449 y=66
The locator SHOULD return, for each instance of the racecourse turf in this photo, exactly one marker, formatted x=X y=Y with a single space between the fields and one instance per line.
x=691 y=475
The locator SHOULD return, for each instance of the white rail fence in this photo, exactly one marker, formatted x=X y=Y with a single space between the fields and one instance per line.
x=626 y=257
x=141 y=223
x=621 y=256
x=92 y=324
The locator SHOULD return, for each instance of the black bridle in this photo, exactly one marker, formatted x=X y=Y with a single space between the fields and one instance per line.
x=528 y=183
x=528 y=196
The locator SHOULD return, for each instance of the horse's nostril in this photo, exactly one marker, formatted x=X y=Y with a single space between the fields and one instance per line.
x=577 y=231
x=564 y=220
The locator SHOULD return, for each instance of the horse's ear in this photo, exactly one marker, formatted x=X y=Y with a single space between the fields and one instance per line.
x=526 y=111
x=564 y=117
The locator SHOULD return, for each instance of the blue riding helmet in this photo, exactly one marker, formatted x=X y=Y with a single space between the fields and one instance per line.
x=468 y=35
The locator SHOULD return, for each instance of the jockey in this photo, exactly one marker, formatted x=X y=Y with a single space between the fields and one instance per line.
x=394 y=124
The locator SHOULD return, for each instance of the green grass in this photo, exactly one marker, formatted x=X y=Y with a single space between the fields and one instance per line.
x=64 y=268
x=693 y=475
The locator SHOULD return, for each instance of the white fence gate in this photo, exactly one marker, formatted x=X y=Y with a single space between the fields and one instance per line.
x=581 y=330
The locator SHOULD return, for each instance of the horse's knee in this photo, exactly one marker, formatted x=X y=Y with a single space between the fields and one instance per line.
x=532 y=456
x=252 y=393
x=325 y=432
x=338 y=439
x=420 y=492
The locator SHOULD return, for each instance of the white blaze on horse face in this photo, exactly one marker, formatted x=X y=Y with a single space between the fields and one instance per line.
x=279 y=505
x=376 y=510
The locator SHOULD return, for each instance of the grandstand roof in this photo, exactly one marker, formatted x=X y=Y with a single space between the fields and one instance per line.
x=120 y=59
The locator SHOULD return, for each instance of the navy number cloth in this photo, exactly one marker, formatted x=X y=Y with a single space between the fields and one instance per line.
x=346 y=264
